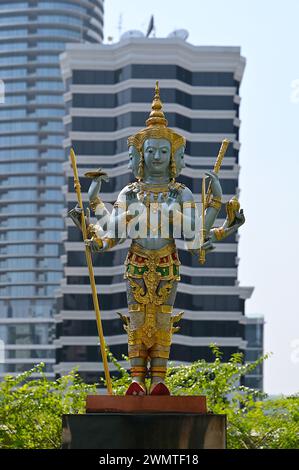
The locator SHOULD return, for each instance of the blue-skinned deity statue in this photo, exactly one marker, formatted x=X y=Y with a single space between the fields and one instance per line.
x=153 y=212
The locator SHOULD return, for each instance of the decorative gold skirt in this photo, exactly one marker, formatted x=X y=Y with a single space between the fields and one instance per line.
x=151 y=275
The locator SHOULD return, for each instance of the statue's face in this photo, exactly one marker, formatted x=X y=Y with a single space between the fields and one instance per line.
x=134 y=157
x=157 y=156
x=179 y=159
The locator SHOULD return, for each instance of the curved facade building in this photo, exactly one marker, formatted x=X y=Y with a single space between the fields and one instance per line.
x=109 y=93
x=32 y=35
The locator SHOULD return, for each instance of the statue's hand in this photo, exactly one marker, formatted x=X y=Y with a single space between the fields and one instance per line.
x=215 y=183
x=76 y=215
x=239 y=218
x=93 y=245
x=172 y=206
x=132 y=196
x=98 y=175
x=173 y=195
x=135 y=207
x=208 y=245
x=101 y=178
x=77 y=209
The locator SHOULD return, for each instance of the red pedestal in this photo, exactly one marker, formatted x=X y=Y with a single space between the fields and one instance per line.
x=145 y=404
x=144 y=422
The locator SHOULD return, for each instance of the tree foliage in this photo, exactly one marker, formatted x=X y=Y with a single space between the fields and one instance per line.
x=31 y=410
x=253 y=419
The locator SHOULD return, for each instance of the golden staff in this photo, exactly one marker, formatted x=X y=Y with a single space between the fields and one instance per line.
x=202 y=253
x=218 y=163
x=77 y=187
x=206 y=196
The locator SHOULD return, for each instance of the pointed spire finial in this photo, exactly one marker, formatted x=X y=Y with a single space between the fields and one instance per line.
x=157 y=90
x=156 y=117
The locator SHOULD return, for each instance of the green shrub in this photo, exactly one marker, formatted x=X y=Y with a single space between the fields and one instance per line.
x=253 y=419
x=31 y=410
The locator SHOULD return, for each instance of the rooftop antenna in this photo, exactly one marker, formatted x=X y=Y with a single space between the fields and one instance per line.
x=120 y=25
x=151 y=27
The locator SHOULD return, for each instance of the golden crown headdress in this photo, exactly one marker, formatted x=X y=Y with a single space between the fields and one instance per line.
x=156 y=128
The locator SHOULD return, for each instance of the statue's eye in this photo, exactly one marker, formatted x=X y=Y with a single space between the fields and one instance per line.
x=150 y=150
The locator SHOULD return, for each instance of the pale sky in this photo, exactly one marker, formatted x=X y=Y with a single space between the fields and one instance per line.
x=267 y=32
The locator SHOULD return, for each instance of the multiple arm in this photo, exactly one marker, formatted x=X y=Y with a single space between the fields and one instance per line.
x=110 y=225
x=193 y=220
x=235 y=217
x=111 y=228
x=99 y=234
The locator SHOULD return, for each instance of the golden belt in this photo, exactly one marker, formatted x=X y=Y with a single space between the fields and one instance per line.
x=165 y=259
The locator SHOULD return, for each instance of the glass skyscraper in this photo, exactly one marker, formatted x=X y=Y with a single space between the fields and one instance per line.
x=32 y=35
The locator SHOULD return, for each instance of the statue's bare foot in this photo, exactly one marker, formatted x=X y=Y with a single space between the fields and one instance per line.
x=136 y=388
x=159 y=389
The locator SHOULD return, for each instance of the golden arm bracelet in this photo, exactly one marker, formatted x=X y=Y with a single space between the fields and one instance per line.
x=120 y=205
x=111 y=242
x=91 y=231
x=187 y=204
x=219 y=233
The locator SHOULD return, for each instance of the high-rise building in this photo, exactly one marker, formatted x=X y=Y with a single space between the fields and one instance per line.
x=254 y=335
x=32 y=35
x=109 y=92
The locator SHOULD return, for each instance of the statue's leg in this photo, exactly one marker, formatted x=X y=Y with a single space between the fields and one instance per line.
x=158 y=372
x=137 y=351
x=159 y=353
x=149 y=329
x=138 y=369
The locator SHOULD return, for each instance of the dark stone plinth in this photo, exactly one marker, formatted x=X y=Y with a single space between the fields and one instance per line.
x=145 y=404
x=144 y=431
